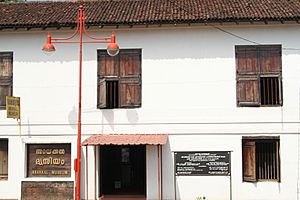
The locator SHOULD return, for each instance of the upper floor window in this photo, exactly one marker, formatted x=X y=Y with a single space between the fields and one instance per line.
x=261 y=161
x=119 y=79
x=3 y=159
x=6 y=77
x=258 y=75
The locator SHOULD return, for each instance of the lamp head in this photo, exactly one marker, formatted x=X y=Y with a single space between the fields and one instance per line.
x=113 y=49
x=48 y=47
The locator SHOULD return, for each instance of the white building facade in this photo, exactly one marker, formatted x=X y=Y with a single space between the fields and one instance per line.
x=189 y=92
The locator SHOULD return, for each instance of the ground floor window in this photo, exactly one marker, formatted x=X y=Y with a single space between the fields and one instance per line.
x=122 y=170
x=3 y=159
x=261 y=161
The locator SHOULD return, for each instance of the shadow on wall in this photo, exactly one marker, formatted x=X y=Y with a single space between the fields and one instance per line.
x=132 y=116
x=72 y=118
x=108 y=116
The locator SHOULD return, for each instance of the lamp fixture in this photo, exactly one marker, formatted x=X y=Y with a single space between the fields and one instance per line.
x=112 y=50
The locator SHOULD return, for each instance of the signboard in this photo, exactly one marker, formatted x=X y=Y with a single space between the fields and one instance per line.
x=211 y=163
x=58 y=190
x=13 y=107
x=49 y=160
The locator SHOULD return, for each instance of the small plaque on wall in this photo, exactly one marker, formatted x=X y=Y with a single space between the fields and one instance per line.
x=49 y=160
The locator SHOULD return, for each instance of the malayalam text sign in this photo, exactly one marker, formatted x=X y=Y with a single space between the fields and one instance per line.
x=13 y=107
x=49 y=160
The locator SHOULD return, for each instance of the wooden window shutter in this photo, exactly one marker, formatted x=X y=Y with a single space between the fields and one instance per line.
x=107 y=65
x=270 y=59
x=247 y=76
x=130 y=78
x=248 y=91
x=278 y=161
x=6 y=76
x=130 y=63
x=3 y=162
x=246 y=60
x=130 y=91
x=249 y=161
x=3 y=157
x=102 y=98
x=5 y=90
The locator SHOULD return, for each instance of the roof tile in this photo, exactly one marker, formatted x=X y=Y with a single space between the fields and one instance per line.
x=133 y=12
x=126 y=139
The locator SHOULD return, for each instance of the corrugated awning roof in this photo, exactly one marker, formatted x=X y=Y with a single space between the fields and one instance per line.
x=126 y=139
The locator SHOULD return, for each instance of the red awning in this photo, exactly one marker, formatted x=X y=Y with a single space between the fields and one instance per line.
x=126 y=139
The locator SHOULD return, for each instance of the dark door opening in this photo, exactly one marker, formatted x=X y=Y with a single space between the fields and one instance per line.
x=123 y=170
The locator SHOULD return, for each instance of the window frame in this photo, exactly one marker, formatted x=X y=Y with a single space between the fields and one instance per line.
x=254 y=62
x=4 y=177
x=114 y=69
x=7 y=80
x=250 y=164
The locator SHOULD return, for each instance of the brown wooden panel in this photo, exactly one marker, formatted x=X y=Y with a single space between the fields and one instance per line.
x=246 y=60
x=5 y=90
x=270 y=59
x=130 y=63
x=107 y=65
x=6 y=62
x=278 y=161
x=248 y=91
x=130 y=92
x=249 y=161
x=102 y=103
x=40 y=190
x=49 y=160
x=3 y=158
x=3 y=162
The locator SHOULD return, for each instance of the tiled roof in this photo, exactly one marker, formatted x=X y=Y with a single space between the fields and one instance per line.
x=135 y=12
x=126 y=139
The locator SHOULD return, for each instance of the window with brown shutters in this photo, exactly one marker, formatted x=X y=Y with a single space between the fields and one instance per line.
x=3 y=159
x=119 y=79
x=258 y=75
x=6 y=77
x=261 y=159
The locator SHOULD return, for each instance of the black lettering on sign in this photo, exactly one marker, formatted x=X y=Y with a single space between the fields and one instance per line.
x=212 y=163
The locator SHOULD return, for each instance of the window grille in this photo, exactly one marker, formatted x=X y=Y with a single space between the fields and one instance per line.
x=261 y=161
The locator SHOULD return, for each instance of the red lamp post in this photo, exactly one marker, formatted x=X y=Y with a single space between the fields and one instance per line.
x=112 y=50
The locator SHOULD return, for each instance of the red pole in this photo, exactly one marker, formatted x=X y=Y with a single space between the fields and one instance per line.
x=77 y=177
x=49 y=47
x=158 y=172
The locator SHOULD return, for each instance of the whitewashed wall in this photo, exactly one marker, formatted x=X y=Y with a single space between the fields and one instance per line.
x=188 y=76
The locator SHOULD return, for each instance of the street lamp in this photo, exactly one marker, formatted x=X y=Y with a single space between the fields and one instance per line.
x=112 y=50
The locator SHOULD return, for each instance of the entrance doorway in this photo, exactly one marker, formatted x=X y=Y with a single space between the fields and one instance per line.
x=123 y=170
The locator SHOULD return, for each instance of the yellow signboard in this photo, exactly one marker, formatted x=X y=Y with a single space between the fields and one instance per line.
x=13 y=107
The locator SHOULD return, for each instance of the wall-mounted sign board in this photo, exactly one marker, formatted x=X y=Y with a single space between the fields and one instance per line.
x=49 y=160
x=13 y=107
x=210 y=163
